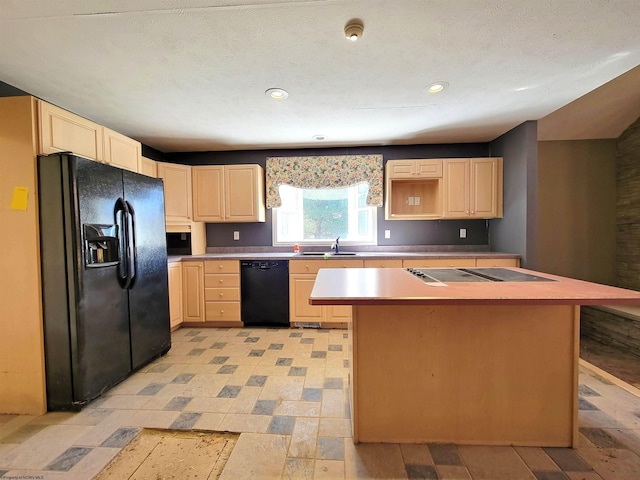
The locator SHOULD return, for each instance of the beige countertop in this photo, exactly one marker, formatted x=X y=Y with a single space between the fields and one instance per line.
x=395 y=286
x=359 y=255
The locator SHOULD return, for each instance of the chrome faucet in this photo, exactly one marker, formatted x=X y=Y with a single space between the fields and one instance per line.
x=336 y=245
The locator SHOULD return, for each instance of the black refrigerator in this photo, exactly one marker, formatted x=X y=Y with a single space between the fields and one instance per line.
x=104 y=276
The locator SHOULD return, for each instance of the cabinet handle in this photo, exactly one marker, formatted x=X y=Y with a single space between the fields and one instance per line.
x=220 y=267
x=221 y=281
x=221 y=295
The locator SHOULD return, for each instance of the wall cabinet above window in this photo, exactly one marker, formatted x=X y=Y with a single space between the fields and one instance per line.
x=228 y=193
x=455 y=188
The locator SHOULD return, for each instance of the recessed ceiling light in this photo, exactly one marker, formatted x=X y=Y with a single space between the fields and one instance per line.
x=276 y=93
x=319 y=137
x=437 y=87
x=354 y=30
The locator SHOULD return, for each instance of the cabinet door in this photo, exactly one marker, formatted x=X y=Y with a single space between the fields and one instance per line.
x=62 y=131
x=208 y=193
x=439 y=263
x=497 y=262
x=400 y=168
x=177 y=191
x=148 y=167
x=456 y=188
x=121 y=151
x=410 y=169
x=484 y=188
x=175 y=294
x=379 y=263
x=193 y=291
x=300 y=287
x=244 y=193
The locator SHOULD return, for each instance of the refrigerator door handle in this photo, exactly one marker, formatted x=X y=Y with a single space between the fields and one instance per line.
x=120 y=214
x=131 y=239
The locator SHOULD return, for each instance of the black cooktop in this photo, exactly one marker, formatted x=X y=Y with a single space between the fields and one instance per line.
x=447 y=275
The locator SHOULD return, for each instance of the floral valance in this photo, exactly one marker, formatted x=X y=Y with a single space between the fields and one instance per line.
x=336 y=171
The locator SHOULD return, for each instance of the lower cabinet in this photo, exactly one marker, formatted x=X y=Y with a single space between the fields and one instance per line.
x=302 y=276
x=222 y=292
x=192 y=292
x=175 y=294
x=210 y=292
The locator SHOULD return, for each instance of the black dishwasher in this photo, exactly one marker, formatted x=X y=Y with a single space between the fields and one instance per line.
x=264 y=291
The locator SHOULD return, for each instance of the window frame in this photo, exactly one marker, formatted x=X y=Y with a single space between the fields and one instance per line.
x=352 y=199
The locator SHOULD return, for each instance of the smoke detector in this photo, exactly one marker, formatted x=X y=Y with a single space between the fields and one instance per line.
x=354 y=30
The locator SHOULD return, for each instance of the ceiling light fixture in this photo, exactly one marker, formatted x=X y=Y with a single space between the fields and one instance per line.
x=276 y=93
x=354 y=29
x=437 y=87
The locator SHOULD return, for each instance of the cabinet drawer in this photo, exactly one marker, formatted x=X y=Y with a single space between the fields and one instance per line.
x=439 y=262
x=496 y=262
x=389 y=263
x=223 y=280
x=222 y=266
x=222 y=311
x=306 y=266
x=343 y=263
x=222 y=294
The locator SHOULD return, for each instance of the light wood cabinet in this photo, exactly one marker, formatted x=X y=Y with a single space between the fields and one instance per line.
x=379 y=263
x=228 y=193
x=411 y=169
x=121 y=151
x=453 y=188
x=208 y=193
x=148 y=167
x=175 y=294
x=473 y=188
x=222 y=292
x=193 y=292
x=177 y=192
x=413 y=189
x=439 y=263
x=497 y=262
x=63 y=131
x=302 y=276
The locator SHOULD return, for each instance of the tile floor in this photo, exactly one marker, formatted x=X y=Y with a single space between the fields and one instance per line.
x=285 y=391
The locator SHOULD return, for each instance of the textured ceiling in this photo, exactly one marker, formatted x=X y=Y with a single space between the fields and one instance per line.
x=187 y=75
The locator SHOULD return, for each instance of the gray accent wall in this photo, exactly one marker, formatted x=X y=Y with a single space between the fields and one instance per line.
x=403 y=232
x=515 y=232
x=7 y=90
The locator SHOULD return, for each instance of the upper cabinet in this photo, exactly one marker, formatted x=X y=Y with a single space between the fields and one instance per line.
x=228 y=193
x=455 y=188
x=208 y=193
x=121 y=151
x=148 y=167
x=413 y=190
x=177 y=192
x=473 y=188
x=411 y=169
x=62 y=131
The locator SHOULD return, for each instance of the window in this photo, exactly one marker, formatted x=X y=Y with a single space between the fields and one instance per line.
x=318 y=216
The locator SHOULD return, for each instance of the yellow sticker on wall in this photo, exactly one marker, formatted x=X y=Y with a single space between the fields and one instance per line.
x=20 y=198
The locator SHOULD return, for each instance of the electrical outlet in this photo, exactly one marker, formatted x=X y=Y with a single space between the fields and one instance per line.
x=416 y=201
x=463 y=233
x=236 y=235
x=411 y=200
x=387 y=234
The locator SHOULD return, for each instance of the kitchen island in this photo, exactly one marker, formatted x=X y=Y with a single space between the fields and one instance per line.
x=465 y=362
